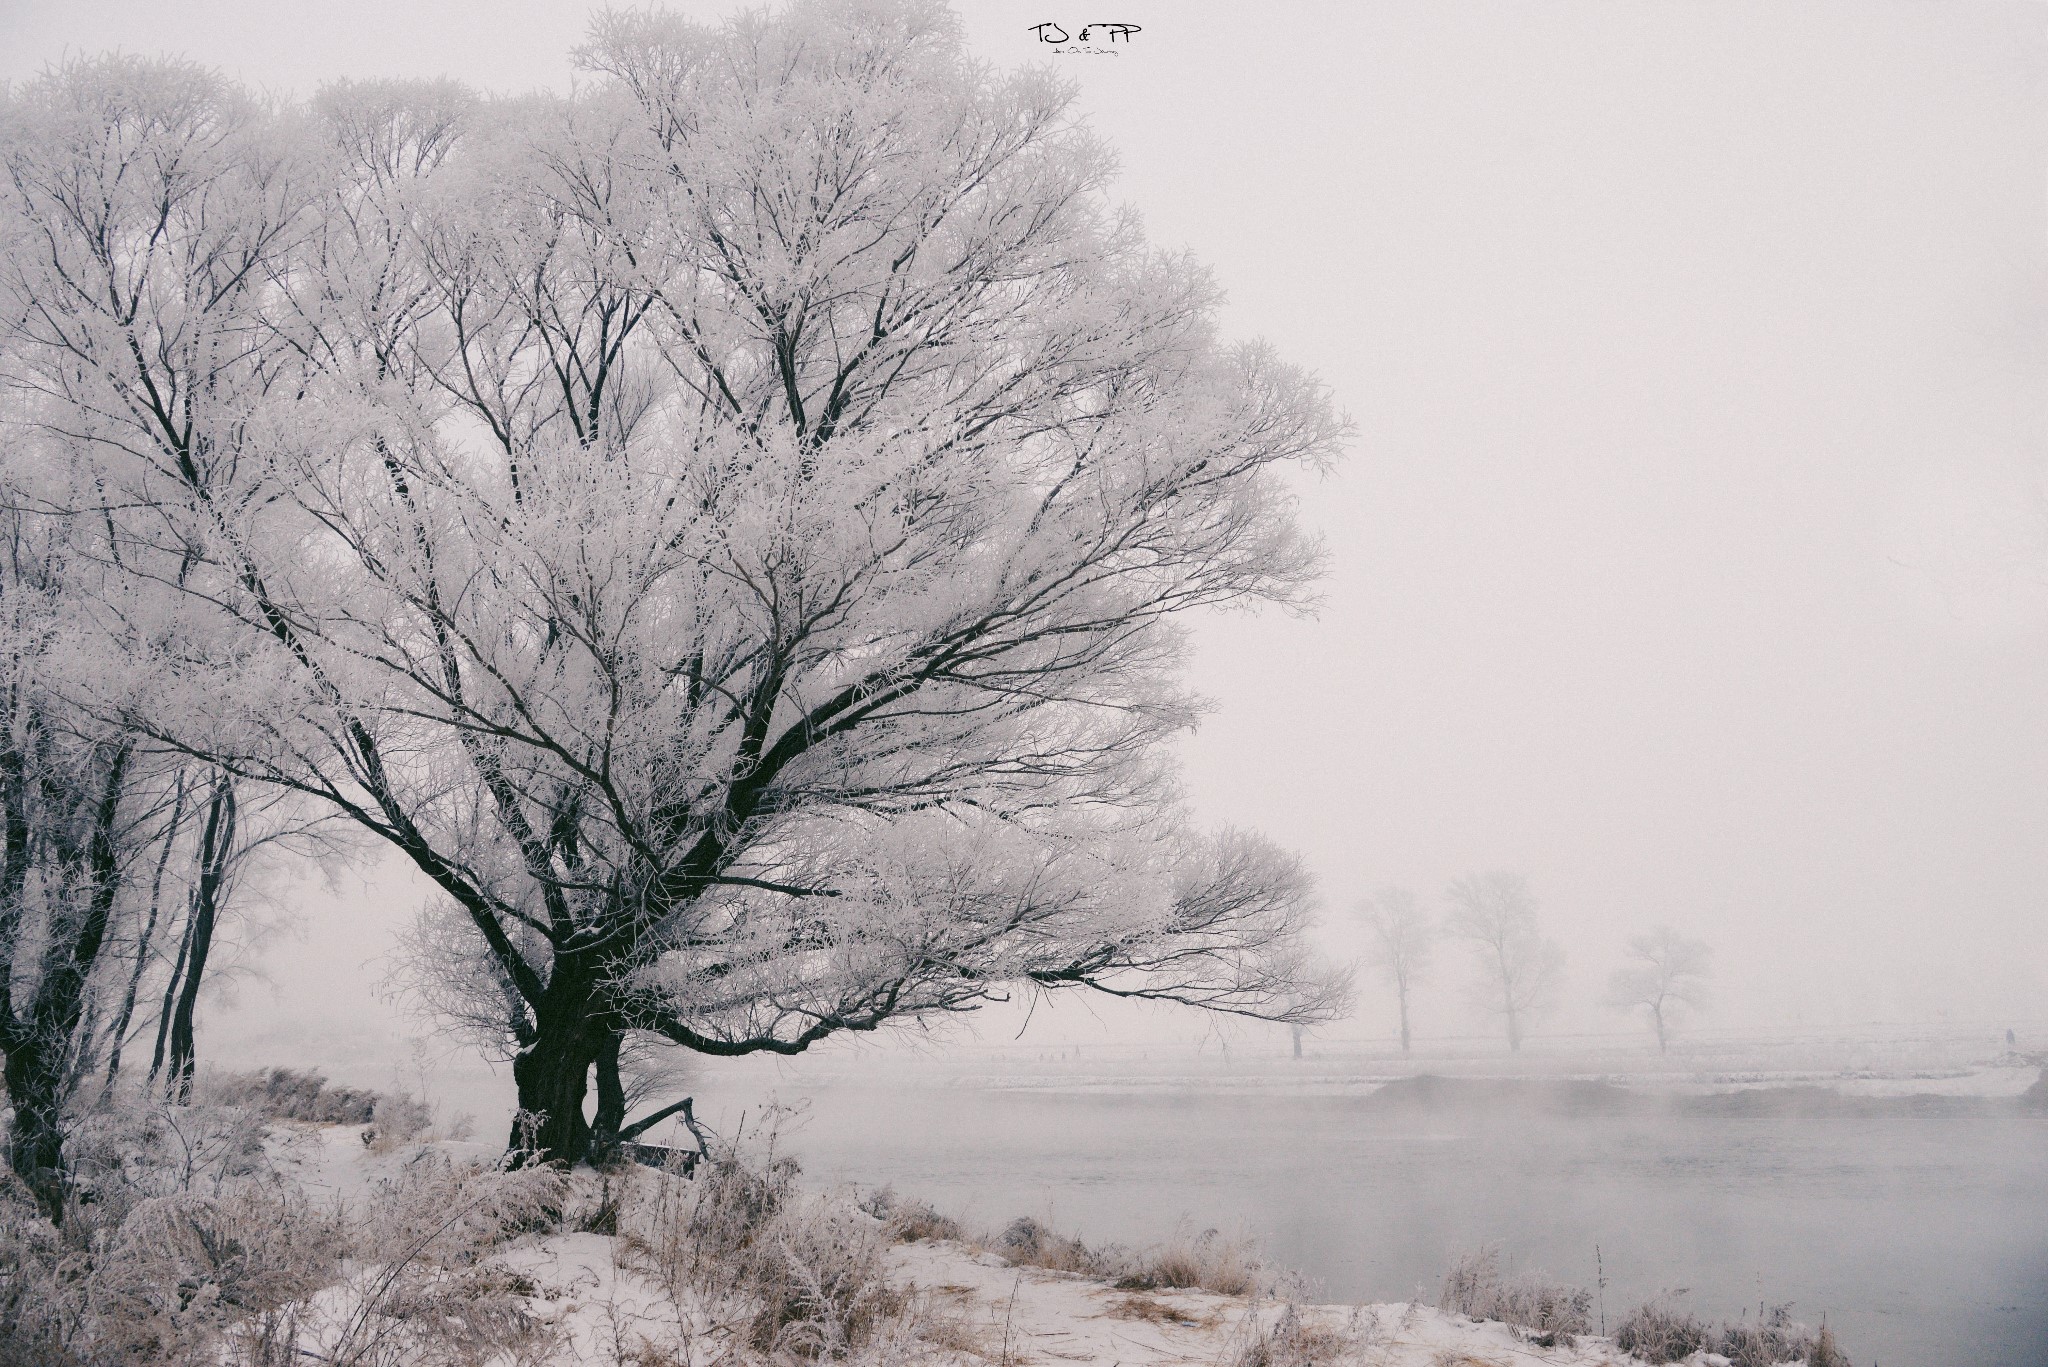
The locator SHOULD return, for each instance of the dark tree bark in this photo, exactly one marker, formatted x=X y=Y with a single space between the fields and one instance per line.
x=118 y=1036
x=610 y=1119
x=38 y=1040
x=552 y=1072
x=216 y=848
x=35 y=1143
x=163 y=1015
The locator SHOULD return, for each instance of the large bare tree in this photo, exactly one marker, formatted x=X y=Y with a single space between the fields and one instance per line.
x=725 y=527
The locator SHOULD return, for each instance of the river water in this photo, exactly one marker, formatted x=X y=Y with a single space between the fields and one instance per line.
x=1924 y=1242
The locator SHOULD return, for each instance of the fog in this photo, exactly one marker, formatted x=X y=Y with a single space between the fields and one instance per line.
x=1692 y=558
x=1918 y=1241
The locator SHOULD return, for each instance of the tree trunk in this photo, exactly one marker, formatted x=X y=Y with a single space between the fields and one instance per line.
x=1657 y=1014
x=611 y=1101
x=35 y=1144
x=1514 y=1031
x=163 y=1015
x=119 y=1035
x=82 y=1058
x=1404 y=1019
x=552 y=1073
x=216 y=846
x=38 y=1048
x=553 y=1078
x=1297 y=1040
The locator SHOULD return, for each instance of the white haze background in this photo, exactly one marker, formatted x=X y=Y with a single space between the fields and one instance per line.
x=1693 y=558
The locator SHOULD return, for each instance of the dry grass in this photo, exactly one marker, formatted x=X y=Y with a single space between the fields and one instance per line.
x=1658 y=1333
x=1209 y=1261
x=939 y=1318
x=1552 y=1314
x=802 y=1277
x=288 y=1094
x=1289 y=1339
x=184 y=1246
x=909 y=1222
x=1152 y=1310
x=1025 y=1242
x=1775 y=1337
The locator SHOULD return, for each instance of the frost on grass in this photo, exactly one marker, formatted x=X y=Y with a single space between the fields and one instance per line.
x=188 y=1246
x=179 y=1236
x=1655 y=1332
x=1553 y=1314
x=1228 y=1265
x=800 y=1274
x=909 y=1221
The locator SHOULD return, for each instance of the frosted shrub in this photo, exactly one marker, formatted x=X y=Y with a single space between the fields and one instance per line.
x=156 y=1279
x=425 y=1293
x=821 y=1280
x=801 y=1277
x=909 y=1221
x=1476 y=1288
x=397 y=1119
x=42 y=1283
x=702 y=1233
x=126 y=1155
x=1209 y=1261
x=183 y=1270
x=1657 y=1333
x=1290 y=1340
x=1774 y=1337
x=288 y=1094
x=451 y=1213
x=1026 y=1242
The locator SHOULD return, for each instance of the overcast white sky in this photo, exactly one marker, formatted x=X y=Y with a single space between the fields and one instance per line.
x=1693 y=558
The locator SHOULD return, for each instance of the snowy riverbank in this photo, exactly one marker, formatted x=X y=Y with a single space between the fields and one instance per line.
x=600 y=1294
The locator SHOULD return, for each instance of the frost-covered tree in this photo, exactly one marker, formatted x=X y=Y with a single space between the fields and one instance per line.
x=1401 y=937
x=725 y=527
x=1665 y=977
x=1495 y=913
x=99 y=863
x=77 y=799
x=129 y=196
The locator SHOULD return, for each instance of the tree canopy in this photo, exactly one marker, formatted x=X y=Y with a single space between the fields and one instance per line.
x=726 y=526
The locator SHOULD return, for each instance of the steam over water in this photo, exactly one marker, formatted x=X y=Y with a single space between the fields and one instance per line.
x=1924 y=1241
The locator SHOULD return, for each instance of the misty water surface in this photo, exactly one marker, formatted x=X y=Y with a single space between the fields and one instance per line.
x=1925 y=1242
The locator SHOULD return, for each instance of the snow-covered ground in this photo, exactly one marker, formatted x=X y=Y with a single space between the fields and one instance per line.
x=966 y=1304
x=1030 y=1315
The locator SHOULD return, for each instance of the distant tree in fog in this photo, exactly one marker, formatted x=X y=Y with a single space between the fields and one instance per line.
x=1496 y=913
x=1665 y=977
x=1403 y=935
